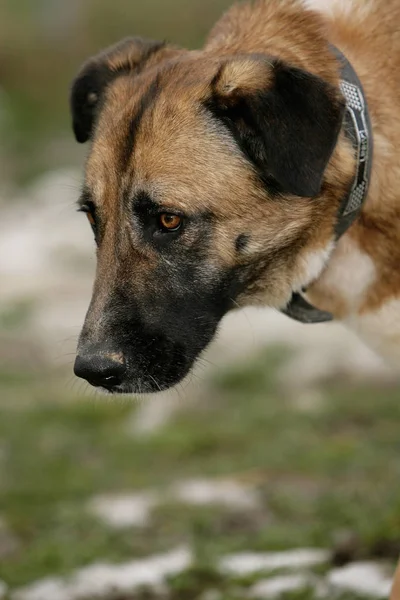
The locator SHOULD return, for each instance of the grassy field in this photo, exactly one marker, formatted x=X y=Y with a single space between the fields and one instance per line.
x=320 y=471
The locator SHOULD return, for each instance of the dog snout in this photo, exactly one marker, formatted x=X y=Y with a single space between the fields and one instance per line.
x=106 y=370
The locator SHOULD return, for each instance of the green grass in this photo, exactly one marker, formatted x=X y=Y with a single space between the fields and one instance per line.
x=336 y=468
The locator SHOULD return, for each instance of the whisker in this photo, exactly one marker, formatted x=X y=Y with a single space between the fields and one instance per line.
x=155 y=381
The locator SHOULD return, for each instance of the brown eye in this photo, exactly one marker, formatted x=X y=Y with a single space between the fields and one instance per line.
x=91 y=219
x=170 y=222
x=89 y=210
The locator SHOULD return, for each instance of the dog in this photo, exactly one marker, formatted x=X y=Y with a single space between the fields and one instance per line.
x=260 y=170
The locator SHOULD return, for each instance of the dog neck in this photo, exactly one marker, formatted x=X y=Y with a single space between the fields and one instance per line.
x=358 y=130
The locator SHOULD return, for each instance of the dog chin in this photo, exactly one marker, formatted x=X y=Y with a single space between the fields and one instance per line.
x=138 y=388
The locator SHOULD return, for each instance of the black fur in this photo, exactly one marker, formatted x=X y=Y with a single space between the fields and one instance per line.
x=145 y=104
x=86 y=198
x=93 y=81
x=88 y=88
x=144 y=205
x=287 y=129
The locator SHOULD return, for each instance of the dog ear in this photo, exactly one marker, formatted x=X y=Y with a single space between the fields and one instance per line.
x=286 y=120
x=129 y=56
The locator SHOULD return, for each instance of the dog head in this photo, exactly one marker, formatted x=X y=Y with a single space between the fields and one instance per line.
x=207 y=187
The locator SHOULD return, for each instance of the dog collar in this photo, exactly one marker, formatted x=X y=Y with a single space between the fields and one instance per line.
x=358 y=129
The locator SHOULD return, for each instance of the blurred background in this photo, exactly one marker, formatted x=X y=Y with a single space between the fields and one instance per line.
x=272 y=472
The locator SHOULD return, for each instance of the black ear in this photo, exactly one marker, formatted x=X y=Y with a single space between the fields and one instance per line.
x=287 y=121
x=130 y=55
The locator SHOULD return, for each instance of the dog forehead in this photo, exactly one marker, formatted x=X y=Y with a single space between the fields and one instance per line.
x=174 y=86
x=166 y=141
x=116 y=113
x=159 y=104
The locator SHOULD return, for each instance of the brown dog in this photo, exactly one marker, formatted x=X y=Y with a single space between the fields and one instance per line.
x=217 y=179
x=227 y=177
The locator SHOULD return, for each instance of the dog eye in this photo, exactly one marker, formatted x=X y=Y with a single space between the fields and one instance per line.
x=89 y=211
x=91 y=219
x=169 y=222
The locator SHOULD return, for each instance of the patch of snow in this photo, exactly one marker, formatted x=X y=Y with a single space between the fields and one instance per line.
x=228 y=493
x=120 y=511
x=106 y=581
x=124 y=510
x=46 y=589
x=277 y=586
x=369 y=579
x=249 y=563
x=47 y=255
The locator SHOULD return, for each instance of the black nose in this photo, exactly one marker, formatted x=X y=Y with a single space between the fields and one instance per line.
x=99 y=370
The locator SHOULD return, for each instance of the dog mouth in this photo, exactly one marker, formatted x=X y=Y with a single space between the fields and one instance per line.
x=138 y=387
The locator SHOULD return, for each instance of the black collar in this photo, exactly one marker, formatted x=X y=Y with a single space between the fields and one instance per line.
x=359 y=131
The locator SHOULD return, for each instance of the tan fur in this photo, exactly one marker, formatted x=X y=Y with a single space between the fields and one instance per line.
x=242 y=74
